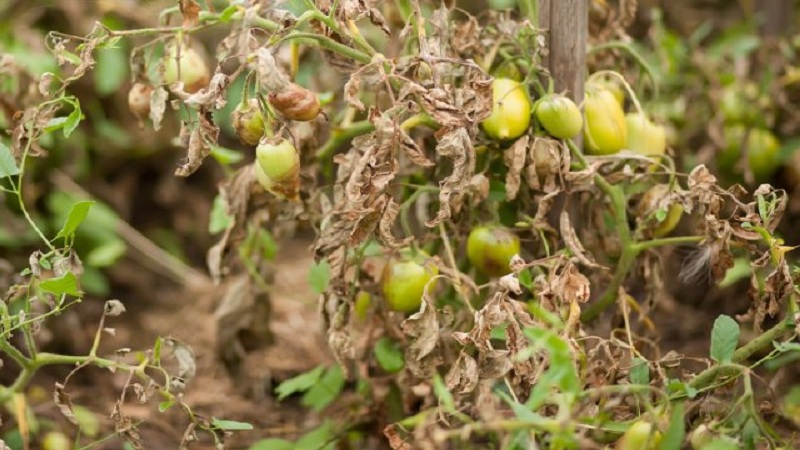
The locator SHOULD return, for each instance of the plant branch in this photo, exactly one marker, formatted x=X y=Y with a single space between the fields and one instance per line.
x=676 y=240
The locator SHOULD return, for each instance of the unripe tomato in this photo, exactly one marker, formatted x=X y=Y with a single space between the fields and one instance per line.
x=763 y=151
x=490 y=249
x=249 y=123
x=296 y=103
x=560 y=116
x=640 y=436
x=362 y=304
x=139 y=100
x=185 y=64
x=645 y=137
x=511 y=110
x=404 y=280
x=649 y=204
x=609 y=84
x=55 y=440
x=605 y=132
x=737 y=103
x=278 y=168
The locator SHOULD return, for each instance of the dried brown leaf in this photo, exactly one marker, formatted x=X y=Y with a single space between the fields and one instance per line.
x=457 y=146
x=514 y=158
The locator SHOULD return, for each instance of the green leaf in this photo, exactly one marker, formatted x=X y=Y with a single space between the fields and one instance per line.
x=165 y=405
x=227 y=13
x=66 y=284
x=272 y=444
x=722 y=443
x=219 y=219
x=107 y=253
x=111 y=70
x=444 y=395
x=724 y=339
x=226 y=156
x=740 y=270
x=77 y=214
x=389 y=355
x=319 y=276
x=73 y=120
x=300 y=383
x=673 y=439
x=326 y=390
x=640 y=372
x=321 y=438
x=221 y=424
x=8 y=165
x=88 y=422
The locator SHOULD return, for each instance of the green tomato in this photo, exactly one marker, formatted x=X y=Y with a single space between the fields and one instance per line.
x=605 y=132
x=649 y=204
x=55 y=440
x=404 y=280
x=362 y=304
x=277 y=168
x=187 y=66
x=609 y=84
x=511 y=110
x=490 y=249
x=560 y=116
x=640 y=436
x=645 y=137
x=249 y=123
x=737 y=103
x=763 y=151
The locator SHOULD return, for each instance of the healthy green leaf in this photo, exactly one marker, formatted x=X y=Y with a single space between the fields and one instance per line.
x=107 y=253
x=300 y=383
x=640 y=372
x=319 y=276
x=66 y=284
x=724 y=339
x=272 y=444
x=225 y=156
x=73 y=120
x=443 y=394
x=230 y=425
x=321 y=438
x=389 y=355
x=219 y=219
x=326 y=390
x=8 y=165
x=77 y=214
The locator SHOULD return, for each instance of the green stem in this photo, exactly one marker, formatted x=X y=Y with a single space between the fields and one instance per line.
x=677 y=240
x=341 y=136
x=328 y=43
x=709 y=376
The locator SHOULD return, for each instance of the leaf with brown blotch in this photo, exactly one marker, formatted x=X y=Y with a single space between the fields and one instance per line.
x=212 y=97
x=198 y=143
x=62 y=400
x=457 y=146
x=514 y=158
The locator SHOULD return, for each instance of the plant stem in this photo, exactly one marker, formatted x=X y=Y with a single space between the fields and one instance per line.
x=707 y=377
x=328 y=43
x=676 y=240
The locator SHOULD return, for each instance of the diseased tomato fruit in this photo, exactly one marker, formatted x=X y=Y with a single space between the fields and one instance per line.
x=644 y=136
x=249 y=123
x=277 y=168
x=490 y=249
x=511 y=110
x=560 y=116
x=653 y=200
x=404 y=280
x=763 y=151
x=296 y=103
x=640 y=436
x=139 y=100
x=185 y=64
x=609 y=84
x=605 y=132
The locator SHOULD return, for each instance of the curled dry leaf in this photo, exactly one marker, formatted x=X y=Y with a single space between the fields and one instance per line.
x=463 y=375
x=574 y=244
x=158 y=104
x=457 y=146
x=422 y=328
x=113 y=308
x=514 y=158
x=197 y=141
x=62 y=400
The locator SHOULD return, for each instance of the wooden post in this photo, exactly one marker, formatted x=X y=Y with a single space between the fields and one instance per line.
x=777 y=17
x=567 y=25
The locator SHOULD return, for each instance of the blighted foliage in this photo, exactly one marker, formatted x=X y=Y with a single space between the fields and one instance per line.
x=507 y=362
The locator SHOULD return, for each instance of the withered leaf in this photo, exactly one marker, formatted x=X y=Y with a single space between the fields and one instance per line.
x=158 y=104
x=573 y=243
x=463 y=375
x=423 y=329
x=62 y=400
x=514 y=158
x=457 y=146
